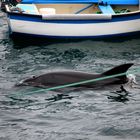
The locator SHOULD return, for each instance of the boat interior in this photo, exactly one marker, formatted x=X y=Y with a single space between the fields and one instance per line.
x=41 y=9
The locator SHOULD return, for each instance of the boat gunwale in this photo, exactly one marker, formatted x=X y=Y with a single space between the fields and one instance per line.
x=40 y=15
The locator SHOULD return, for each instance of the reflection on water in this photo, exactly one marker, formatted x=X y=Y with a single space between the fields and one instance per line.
x=121 y=95
x=59 y=97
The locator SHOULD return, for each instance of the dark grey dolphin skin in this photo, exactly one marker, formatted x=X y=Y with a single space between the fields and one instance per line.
x=52 y=79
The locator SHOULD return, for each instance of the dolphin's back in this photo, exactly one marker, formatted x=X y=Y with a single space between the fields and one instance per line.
x=65 y=77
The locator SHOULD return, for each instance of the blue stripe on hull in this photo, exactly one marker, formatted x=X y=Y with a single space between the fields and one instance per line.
x=37 y=18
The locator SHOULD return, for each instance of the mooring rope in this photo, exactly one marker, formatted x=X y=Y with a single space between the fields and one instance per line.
x=79 y=83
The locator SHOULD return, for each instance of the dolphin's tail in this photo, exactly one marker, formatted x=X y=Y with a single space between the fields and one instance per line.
x=118 y=70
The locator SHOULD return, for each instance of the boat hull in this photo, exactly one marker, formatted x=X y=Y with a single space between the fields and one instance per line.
x=74 y=28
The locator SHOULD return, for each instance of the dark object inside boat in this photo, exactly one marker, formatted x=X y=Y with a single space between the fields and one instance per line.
x=8 y=2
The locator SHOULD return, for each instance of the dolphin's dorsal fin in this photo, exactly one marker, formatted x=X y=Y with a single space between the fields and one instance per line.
x=119 y=69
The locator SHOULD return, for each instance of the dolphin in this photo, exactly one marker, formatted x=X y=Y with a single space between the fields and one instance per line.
x=58 y=78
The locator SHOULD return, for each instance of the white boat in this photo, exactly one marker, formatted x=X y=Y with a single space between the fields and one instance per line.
x=74 y=18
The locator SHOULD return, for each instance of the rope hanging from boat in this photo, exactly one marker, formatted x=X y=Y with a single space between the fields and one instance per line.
x=78 y=83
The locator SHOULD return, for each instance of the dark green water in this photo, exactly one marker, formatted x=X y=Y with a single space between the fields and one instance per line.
x=78 y=115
